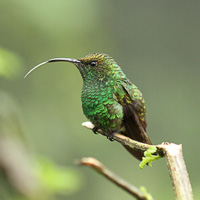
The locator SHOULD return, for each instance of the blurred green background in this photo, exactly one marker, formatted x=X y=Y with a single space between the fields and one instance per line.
x=155 y=42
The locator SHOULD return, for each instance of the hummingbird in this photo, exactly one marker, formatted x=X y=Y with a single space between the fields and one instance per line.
x=109 y=100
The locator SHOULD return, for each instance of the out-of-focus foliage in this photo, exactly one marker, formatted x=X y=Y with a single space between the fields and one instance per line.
x=22 y=175
x=157 y=45
x=15 y=163
x=57 y=179
x=143 y=189
x=10 y=64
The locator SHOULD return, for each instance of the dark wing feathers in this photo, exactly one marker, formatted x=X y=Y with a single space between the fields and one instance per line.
x=135 y=128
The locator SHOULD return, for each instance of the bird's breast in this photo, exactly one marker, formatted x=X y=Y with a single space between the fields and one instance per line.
x=101 y=108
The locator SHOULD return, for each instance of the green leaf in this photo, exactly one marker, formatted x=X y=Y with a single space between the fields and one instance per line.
x=149 y=158
x=147 y=195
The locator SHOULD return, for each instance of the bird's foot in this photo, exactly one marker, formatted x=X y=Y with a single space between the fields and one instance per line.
x=95 y=130
x=110 y=135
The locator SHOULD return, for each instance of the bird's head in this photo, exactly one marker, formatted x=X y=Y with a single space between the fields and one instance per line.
x=95 y=66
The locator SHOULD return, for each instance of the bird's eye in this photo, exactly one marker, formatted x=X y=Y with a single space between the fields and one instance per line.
x=93 y=64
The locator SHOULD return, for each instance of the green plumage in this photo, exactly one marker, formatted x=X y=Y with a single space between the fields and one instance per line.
x=110 y=101
x=103 y=92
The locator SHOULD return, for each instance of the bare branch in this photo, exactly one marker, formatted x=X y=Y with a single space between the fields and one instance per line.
x=174 y=158
x=125 y=140
x=99 y=167
x=177 y=170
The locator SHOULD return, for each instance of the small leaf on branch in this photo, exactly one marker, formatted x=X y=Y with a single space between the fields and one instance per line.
x=147 y=195
x=149 y=157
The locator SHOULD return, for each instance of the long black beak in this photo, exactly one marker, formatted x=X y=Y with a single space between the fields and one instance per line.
x=71 y=60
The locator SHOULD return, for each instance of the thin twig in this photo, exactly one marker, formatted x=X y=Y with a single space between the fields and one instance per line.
x=125 y=140
x=99 y=167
